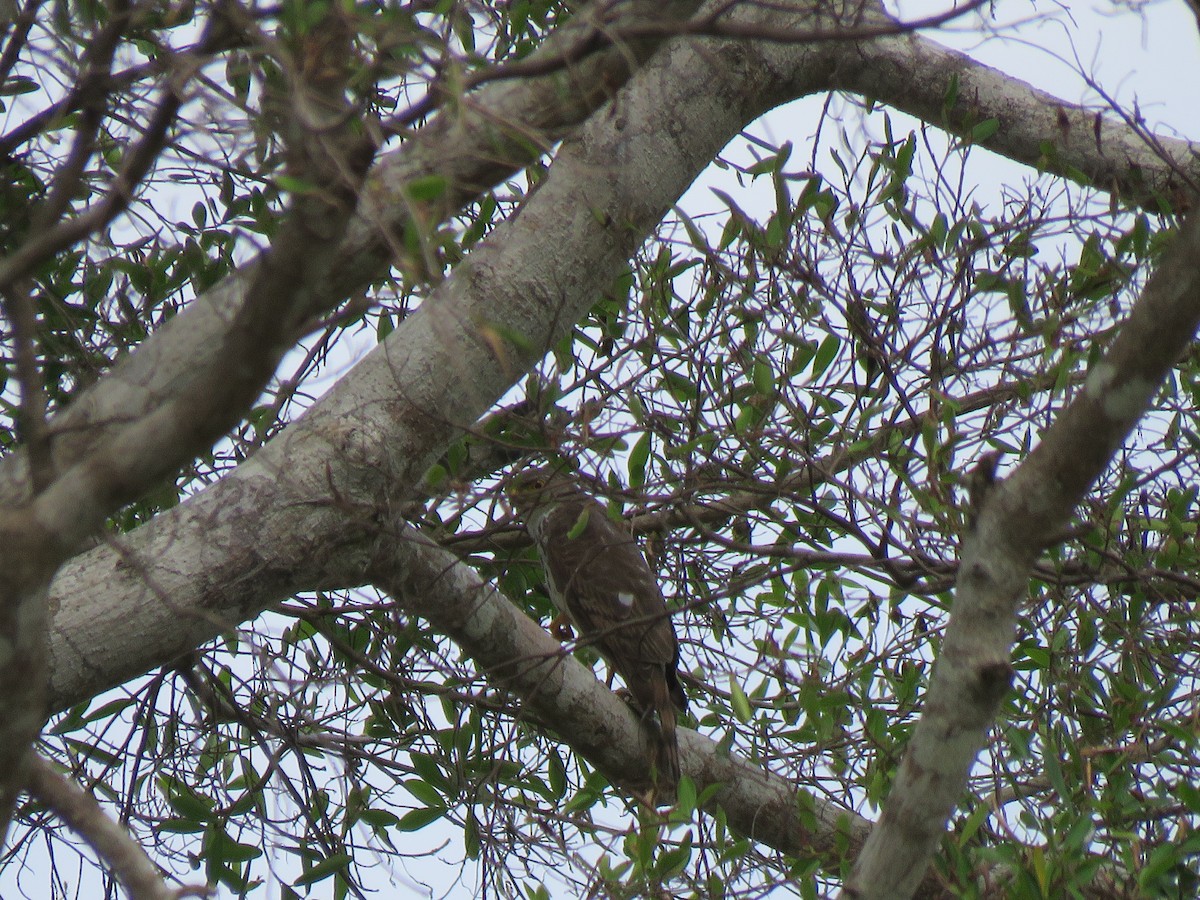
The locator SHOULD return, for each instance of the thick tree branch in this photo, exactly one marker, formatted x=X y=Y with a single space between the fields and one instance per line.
x=279 y=523
x=1035 y=128
x=499 y=129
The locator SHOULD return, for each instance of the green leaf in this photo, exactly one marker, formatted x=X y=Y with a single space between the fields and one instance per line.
x=763 y=378
x=91 y=750
x=978 y=816
x=1054 y=774
x=985 y=130
x=431 y=187
x=580 y=524
x=951 y=98
x=235 y=852
x=825 y=355
x=1162 y=860
x=379 y=818
x=186 y=802
x=416 y=819
x=18 y=84
x=680 y=387
x=179 y=826
x=294 y=185
x=741 y=703
x=637 y=461
x=326 y=867
x=435 y=477
x=108 y=710
x=424 y=792
x=471 y=837
x=1189 y=794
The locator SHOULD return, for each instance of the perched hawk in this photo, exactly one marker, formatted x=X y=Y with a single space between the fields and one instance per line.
x=597 y=576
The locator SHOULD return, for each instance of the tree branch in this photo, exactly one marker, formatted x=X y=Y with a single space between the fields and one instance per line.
x=131 y=460
x=366 y=445
x=1035 y=128
x=298 y=515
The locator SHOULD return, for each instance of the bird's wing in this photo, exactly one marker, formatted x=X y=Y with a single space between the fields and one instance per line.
x=607 y=585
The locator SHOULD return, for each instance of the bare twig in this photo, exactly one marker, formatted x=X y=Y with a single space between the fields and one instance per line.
x=92 y=91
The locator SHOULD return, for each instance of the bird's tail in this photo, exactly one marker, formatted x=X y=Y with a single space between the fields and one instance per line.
x=667 y=788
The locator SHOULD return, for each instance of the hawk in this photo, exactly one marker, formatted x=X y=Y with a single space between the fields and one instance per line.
x=598 y=577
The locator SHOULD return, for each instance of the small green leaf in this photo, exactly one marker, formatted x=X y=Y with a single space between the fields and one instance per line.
x=637 y=461
x=18 y=84
x=1054 y=774
x=985 y=130
x=741 y=703
x=825 y=355
x=683 y=389
x=235 y=852
x=951 y=98
x=580 y=524
x=417 y=819
x=431 y=187
x=424 y=792
x=1161 y=861
x=379 y=818
x=324 y=869
x=91 y=750
x=471 y=837
x=764 y=379
x=976 y=819
x=179 y=826
x=294 y=185
x=185 y=801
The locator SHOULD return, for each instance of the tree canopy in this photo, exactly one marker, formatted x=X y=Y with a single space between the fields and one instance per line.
x=291 y=291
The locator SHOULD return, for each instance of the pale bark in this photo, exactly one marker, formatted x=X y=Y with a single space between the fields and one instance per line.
x=914 y=75
x=258 y=535
x=132 y=459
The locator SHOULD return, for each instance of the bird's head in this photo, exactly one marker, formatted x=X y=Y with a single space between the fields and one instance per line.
x=538 y=486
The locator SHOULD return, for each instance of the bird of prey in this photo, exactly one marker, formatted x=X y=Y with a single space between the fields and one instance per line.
x=599 y=578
